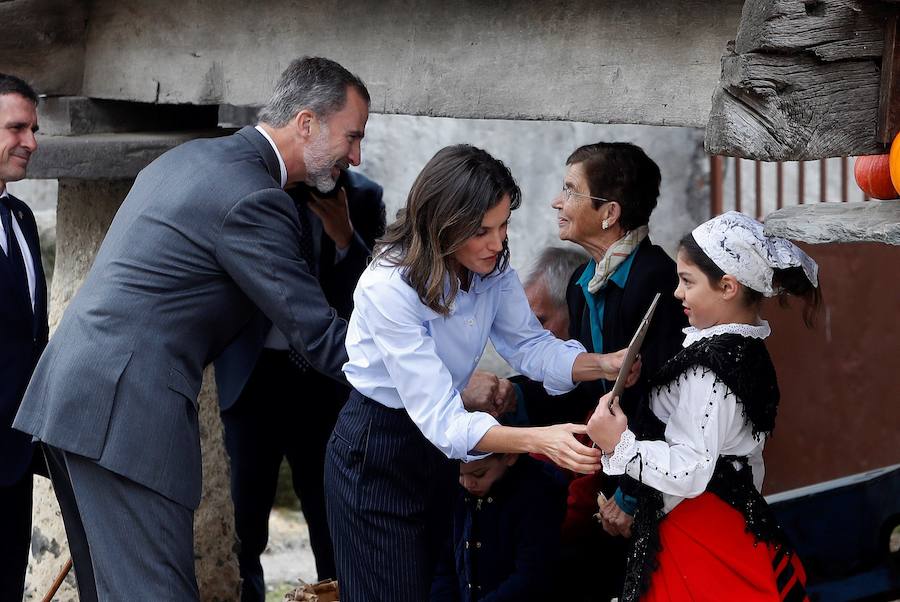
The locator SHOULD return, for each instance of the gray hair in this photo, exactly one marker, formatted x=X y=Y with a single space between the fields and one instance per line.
x=314 y=83
x=554 y=267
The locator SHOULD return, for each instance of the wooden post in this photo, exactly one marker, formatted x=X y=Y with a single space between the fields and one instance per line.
x=889 y=94
x=758 y=189
x=844 y=176
x=779 y=190
x=715 y=185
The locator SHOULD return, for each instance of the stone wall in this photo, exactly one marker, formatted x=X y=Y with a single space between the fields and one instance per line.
x=604 y=61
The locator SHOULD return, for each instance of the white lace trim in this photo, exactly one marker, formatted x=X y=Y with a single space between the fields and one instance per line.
x=621 y=456
x=760 y=330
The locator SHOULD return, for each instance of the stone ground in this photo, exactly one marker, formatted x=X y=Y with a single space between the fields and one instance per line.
x=288 y=556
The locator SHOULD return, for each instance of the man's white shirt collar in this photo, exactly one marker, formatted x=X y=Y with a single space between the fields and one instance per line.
x=277 y=154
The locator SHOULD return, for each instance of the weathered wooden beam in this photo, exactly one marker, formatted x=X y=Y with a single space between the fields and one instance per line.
x=872 y=221
x=43 y=43
x=801 y=81
x=889 y=96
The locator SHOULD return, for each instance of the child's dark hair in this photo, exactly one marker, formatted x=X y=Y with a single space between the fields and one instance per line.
x=789 y=281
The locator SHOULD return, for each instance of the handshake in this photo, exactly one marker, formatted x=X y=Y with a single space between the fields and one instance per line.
x=487 y=393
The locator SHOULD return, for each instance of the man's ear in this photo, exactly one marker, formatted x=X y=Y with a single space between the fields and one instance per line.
x=510 y=459
x=303 y=123
x=729 y=286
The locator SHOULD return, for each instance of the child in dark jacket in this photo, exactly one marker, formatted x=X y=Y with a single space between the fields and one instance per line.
x=504 y=540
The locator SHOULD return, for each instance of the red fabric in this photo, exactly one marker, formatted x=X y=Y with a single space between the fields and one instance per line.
x=581 y=505
x=707 y=555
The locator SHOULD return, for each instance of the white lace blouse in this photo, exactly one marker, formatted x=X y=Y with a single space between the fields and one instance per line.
x=702 y=423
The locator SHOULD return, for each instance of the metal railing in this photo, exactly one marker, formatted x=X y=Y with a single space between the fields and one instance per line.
x=776 y=185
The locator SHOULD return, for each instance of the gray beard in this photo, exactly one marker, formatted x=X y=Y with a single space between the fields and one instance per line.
x=322 y=182
x=315 y=156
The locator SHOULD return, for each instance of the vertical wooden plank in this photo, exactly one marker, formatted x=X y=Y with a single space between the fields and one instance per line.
x=844 y=173
x=715 y=185
x=737 y=183
x=758 y=182
x=779 y=185
x=889 y=93
x=823 y=180
x=801 y=181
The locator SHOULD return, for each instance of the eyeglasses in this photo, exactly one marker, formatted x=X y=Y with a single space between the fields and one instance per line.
x=569 y=193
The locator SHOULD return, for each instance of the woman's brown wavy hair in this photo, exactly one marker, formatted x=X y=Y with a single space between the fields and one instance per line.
x=445 y=207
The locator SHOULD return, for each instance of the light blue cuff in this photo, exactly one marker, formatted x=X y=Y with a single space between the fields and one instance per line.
x=465 y=432
x=559 y=380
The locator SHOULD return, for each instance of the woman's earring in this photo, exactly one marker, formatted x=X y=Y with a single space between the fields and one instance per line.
x=605 y=224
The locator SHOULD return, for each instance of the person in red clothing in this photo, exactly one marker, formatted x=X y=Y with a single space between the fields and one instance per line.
x=693 y=453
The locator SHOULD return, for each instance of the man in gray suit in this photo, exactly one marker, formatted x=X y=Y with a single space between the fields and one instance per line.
x=205 y=238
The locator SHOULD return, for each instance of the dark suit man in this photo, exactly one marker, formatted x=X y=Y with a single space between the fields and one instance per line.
x=23 y=330
x=273 y=409
x=205 y=240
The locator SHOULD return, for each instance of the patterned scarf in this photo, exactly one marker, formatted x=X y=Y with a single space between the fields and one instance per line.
x=615 y=255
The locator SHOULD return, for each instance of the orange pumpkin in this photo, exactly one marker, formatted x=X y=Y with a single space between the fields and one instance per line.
x=895 y=162
x=873 y=175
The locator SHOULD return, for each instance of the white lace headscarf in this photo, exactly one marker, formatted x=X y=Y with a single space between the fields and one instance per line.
x=738 y=245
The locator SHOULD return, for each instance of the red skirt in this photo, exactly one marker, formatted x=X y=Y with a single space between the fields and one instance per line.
x=707 y=554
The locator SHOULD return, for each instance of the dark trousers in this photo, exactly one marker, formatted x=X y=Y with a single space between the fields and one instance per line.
x=15 y=535
x=15 y=529
x=127 y=542
x=390 y=494
x=282 y=413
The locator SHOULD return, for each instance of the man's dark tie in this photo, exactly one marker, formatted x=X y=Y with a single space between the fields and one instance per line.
x=14 y=253
x=307 y=253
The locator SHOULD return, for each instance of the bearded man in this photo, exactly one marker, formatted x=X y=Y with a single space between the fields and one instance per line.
x=273 y=406
x=205 y=241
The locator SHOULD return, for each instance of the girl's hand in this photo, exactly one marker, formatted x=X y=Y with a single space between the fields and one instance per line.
x=558 y=443
x=607 y=423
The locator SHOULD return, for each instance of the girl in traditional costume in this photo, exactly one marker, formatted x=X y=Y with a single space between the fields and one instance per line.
x=693 y=454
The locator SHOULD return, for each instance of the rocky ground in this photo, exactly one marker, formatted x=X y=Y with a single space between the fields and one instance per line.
x=288 y=556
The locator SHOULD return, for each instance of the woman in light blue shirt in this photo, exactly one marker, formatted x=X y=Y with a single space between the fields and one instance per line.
x=438 y=288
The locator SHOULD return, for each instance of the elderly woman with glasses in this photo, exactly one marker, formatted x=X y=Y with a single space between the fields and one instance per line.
x=609 y=191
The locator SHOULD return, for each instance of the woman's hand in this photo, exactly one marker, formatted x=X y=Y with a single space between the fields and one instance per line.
x=607 y=423
x=615 y=521
x=558 y=443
